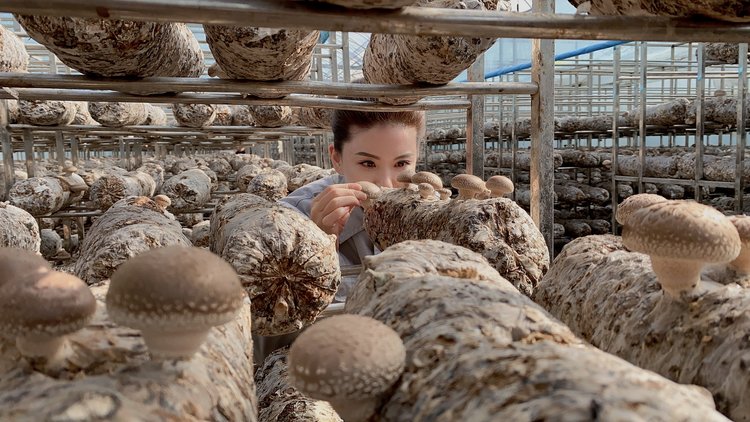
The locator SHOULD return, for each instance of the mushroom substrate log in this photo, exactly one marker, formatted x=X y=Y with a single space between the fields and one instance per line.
x=41 y=195
x=129 y=227
x=47 y=112
x=188 y=190
x=118 y=114
x=194 y=115
x=288 y=266
x=261 y=54
x=477 y=349
x=716 y=9
x=279 y=401
x=409 y=59
x=107 y=375
x=13 y=55
x=611 y=297
x=18 y=229
x=497 y=228
x=111 y=188
x=113 y=48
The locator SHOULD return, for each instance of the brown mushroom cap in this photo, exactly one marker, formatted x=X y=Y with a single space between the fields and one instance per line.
x=445 y=193
x=370 y=189
x=468 y=185
x=40 y=312
x=742 y=224
x=499 y=185
x=680 y=237
x=426 y=191
x=427 y=177
x=162 y=201
x=633 y=203
x=19 y=265
x=405 y=176
x=174 y=295
x=347 y=360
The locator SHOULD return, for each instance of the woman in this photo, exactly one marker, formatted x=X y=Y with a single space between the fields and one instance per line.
x=367 y=146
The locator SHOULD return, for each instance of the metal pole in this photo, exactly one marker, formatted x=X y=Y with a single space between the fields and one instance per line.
x=74 y=150
x=8 y=170
x=543 y=131
x=60 y=148
x=28 y=148
x=616 y=53
x=475 y=123
x=700 y=84
x=739 y=182
x=642 y=115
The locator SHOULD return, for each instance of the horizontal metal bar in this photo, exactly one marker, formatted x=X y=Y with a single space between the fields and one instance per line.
x=409 y=20
x=688 y=182
x=207 y=85
x=161 y=130
x=42 y=94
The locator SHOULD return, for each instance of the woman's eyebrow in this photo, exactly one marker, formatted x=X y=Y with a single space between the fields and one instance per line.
x=367 y=154
x=407 y=155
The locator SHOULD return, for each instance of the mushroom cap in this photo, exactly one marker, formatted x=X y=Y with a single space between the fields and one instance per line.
x=162 y=200
x=346 y=357
x=369 y=188
x=174 y=288
x=682 y=230
x=54 y=304
x=742 y=224
x=426 y=190
x=499 y=185
x=405 y=176
x=18 y=265
x=70 y=169
x=633 y=203
x=468 y=182
x=444 y=193
x=427 y=177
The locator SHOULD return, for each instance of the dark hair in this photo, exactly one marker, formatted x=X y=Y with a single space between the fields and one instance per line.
x=343 y=121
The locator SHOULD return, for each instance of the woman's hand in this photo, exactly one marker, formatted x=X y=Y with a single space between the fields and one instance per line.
x=332 y=207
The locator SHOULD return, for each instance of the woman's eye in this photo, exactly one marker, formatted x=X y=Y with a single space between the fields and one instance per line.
x=403 y=163
x=367 y=163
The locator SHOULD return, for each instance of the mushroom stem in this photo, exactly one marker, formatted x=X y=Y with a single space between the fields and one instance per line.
x=40 y=346
x=741 y=264
x=354 y=410
x=676 y=275
x=174 y=345
x=464 y=194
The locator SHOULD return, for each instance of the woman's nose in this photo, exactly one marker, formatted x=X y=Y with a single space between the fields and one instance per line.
x=386 y=180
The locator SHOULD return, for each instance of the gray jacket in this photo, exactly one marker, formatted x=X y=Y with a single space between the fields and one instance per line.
x=354 y=243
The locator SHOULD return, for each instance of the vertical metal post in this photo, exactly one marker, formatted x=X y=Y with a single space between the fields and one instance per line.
x=616 y=53
x=74 y=150
x=121 y=151
x=739 y=182
x=543 y=131
x=8 y=171
x=345 y=57
x=475 y=123
x=28 y=149
x=642 y=115
x=138 y=153
x=60 y=148
x=700 y=84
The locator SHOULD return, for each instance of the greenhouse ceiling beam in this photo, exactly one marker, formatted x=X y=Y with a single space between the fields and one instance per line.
x=41 y=94
x=168 y=130
x=410 y=20
x=206 y=85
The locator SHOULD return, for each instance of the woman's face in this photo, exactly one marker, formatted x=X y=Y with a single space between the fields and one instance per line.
x=377 y=154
